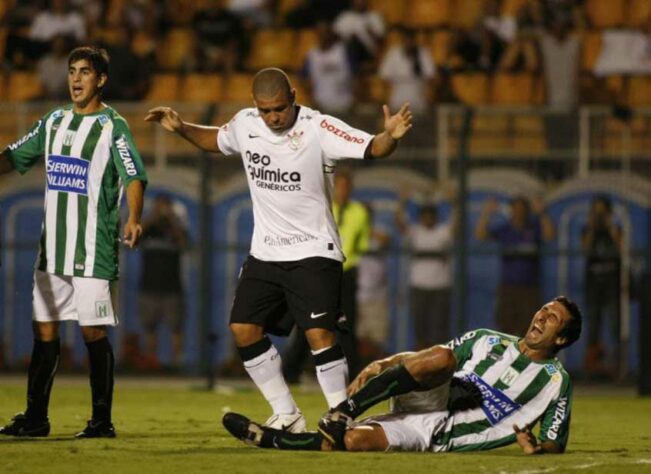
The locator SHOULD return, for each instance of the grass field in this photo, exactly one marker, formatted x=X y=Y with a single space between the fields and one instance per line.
x=169 y=427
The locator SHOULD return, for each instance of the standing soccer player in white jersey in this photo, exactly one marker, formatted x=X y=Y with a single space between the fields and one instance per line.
x=289 y=153
x=481 y=391
x=90 y=158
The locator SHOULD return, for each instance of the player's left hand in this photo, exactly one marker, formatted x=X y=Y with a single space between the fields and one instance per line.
x=132 y=233
x=525 y=438
x=399 y=124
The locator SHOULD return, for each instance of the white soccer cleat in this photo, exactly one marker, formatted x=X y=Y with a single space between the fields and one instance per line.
x=292 y=422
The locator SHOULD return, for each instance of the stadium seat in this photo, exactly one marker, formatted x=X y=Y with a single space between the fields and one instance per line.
x=375 y=89
x=163 y=87
x=182 y=11
x=512 y=89
x=439 y=47
x=304 y=41
x=512 y=7
x=471 y=89
x=177 y=45
x=427 y=13
x=271 y=48
x=639 y=91
x=24 y=86
x=591 y=48
x=237 y=89
x=466 y=13
x=204 y=88
x=302 y=96
x=605 y=13
x=3 y=39
x=286 y=5
x=638 y=13
x=391 y=10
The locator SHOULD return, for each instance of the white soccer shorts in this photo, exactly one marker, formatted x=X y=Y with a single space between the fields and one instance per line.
x=415 y=417
x=89 y=301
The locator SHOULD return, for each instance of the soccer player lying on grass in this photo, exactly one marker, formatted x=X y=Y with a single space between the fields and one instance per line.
x=481 y=391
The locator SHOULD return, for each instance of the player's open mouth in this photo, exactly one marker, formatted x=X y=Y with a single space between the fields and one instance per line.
x=77 y=90
x=536 y=329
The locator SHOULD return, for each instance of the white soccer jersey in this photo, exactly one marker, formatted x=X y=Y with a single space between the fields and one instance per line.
x=290 y=176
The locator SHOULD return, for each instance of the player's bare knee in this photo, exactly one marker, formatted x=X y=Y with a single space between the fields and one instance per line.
x=246 y=334
x=45 y=332
x=93 y=333
x=319 y=338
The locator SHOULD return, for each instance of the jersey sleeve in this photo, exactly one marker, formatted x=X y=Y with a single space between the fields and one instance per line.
x=227 y=138
x=462 y=346
x=555 y=422
x=339 y=140
x=125 y=155
x=26 y=151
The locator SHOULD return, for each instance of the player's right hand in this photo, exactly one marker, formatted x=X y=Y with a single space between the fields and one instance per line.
x=167 y=117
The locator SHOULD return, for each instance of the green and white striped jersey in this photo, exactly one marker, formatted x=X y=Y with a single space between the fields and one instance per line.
x=515 y=390
x=89 y=159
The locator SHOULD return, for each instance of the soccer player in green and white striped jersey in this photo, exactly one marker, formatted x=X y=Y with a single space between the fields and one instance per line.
x=90 y=158
x=481 y=391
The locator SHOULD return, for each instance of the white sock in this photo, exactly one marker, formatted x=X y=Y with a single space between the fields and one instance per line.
x=333 y=378
x=266 y=372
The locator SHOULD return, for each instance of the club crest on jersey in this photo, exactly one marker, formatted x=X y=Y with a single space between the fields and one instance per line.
x=69 y=137
x=295 y=140
x=509 y=376
x=67 y=174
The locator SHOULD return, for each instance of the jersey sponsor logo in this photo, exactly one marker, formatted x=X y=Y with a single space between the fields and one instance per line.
x=284 y=240
x=340 y=133
x=493 y=340
x=258 y=167
x=56 y=114
x=103 y=120
x=17 y=144
x=551 y=369
x=125 y=155
x=67 y=174
x=317 y=316
x=559 y=418
x=457 y=341
x=495 y=404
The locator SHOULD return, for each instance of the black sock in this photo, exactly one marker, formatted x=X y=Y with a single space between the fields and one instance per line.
x=100 y=355
x=394 y=381
x=308 y=441
x=42 y=368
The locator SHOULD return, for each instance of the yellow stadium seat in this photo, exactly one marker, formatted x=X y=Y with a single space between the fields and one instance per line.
x=591 y=48
x=639 y=13
x=204 y=88
x=512 y=7
x=237 y=89
x=302 y=97
x=304 y=41
x=177 y=46
x=3 y=87
x=512 y=89
x=439 y=47
x=471 y=89
x=466 y=13
x=391 y=10
x=271 y=48
x=639 y=91
x=286 y=5
x=427 y=13
x=24 y=86
x=605 y=13
x=164 y=87
x=376 y=90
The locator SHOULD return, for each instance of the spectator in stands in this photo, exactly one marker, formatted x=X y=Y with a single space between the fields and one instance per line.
x=258 y=12
x=58 y=20
x=329 y=73
x=309 y=12
x=520 y=237
x=542 y=13
x=220 y=39
x=560 y=53
x=19 y=49
x=363 y=31
x=52 y=69
x=161 y=297
x=602 y=243
x=373 y=293
x=430 y=274
x=131 y=73
x=409 y=71
x=625 y=52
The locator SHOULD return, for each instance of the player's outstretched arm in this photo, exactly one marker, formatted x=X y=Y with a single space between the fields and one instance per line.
x=529 y=444
x=5 y=164
x=395 y=127
x=133 y=227
x=201 y=136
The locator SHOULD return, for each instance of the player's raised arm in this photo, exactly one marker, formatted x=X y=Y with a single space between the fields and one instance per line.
x=202 y=136
x=395 y=127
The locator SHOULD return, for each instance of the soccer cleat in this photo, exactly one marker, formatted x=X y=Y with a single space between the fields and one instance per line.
x=333 y=426
x=23 y=426
x=97 y=429
x=243 y=429
x=293 y=423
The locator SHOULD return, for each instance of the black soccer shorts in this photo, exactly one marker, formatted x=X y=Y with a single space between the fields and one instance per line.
x=276 y=295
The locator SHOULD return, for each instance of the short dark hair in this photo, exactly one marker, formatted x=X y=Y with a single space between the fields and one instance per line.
x=97 y=57
x=572 y=329
x=270 y=82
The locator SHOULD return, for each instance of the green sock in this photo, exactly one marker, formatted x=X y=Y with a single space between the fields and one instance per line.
x=394 y=381
x=309 y=441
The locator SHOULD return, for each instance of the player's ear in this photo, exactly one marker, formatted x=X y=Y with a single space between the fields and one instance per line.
x=292 y=96
x=102 y=80
x=560 y=341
